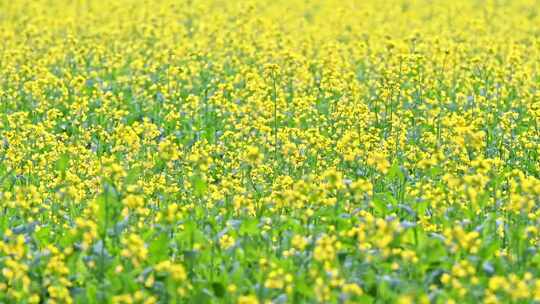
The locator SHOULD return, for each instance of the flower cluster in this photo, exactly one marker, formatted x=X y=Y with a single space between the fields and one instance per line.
x=284 y=151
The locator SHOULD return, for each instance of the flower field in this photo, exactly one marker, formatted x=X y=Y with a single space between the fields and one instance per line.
x=285 y=151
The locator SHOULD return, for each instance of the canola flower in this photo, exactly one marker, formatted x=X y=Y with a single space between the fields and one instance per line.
x=293 y=151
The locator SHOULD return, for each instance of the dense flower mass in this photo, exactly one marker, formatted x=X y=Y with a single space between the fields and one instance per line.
x=284 y=151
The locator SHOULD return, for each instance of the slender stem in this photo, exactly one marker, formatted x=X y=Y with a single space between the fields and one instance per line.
x=274 y=99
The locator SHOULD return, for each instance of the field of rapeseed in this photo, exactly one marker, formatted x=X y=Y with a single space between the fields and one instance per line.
x=285 y=151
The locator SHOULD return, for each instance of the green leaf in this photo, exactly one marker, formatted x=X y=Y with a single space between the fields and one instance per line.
x=159 y=248
x=249 y=227
x=421 y=207
x=199 y=185
x=202 y=296
x=91 y=293
x=190 y=255
x=133 y=175
x=42 y=236
x=102 y=212
x=365 y=299
x=383 y=289
x=435 y=251
x=219 y=289
x=408 y=237
x=302 y=288
x=435 y=171
x=396 y=173
x=489 y=251
x=62 y=164
x=379 y=204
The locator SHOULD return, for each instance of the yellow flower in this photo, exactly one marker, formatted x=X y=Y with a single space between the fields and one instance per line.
x=226 y=241
x=253 y=156
x=299 y=242
x=248 y=299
